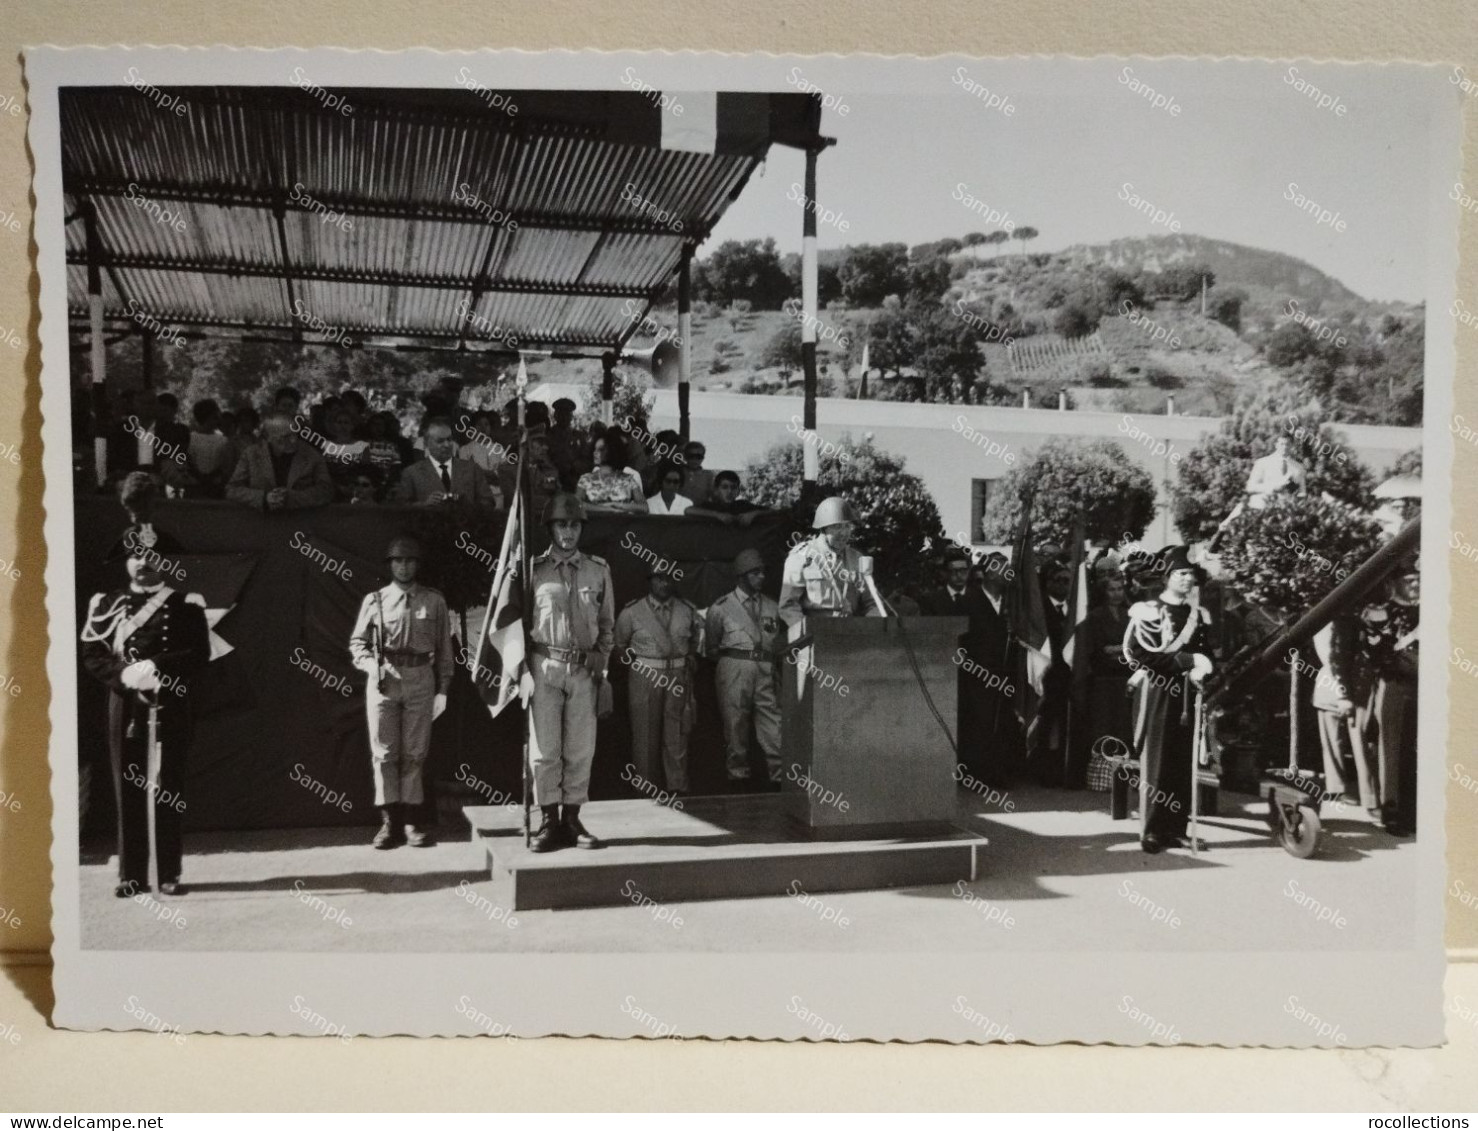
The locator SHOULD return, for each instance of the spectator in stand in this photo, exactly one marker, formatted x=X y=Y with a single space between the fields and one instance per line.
x=567 y=445
x=609 y=487
x=543 y=476
x=212 y=454
x=280 y=472
x=383 y=452
x=724 y=503
x=358 y=408
x=341 y=450
x=248 y=427
x=442 y=477
x=169 y=430
x=481 y=448
x=667 y=500
x=287 y=401
x=364 y=488
x=699 y=481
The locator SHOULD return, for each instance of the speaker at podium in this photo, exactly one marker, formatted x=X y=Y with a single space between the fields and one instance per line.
x=864 y=753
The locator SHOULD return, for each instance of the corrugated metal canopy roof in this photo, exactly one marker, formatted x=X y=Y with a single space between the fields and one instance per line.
x=421 y=216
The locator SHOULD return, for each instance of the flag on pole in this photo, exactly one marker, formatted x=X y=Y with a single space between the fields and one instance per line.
x=1028 y=615
x=500 y=671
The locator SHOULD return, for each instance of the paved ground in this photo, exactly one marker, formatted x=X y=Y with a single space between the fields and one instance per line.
x=1058 y=875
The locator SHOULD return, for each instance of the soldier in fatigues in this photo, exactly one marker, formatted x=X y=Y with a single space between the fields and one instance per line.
x=658 y=636
x=402 y=641
x=822 y=575
x=744 y=631
x=144 y=642
x=570 y=636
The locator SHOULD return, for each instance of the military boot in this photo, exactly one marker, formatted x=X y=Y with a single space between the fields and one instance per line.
x=551 y=834
x=576 y=833
x=390 y=835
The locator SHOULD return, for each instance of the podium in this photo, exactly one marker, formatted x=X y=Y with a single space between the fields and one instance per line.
x=864 y=753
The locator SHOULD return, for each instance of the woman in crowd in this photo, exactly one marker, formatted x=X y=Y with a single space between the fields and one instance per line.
x=341 y=451
x=666 y=499
x=609 y=487
x=481 y=447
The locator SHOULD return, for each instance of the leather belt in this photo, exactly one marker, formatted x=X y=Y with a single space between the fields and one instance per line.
x=409 y=659
x=756 y=654
x=658 y=663
x=562 y=655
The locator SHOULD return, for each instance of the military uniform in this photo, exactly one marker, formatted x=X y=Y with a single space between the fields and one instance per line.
x=1159 y=646
x=744 y=632
x=124 y=629
x=819 y=582
x=660 y=639
x=571 y=635
x=417 y=642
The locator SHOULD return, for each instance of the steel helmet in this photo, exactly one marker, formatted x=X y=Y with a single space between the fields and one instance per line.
x=403 y=547
x=832 y=511
x=746 y=561
x=564 y=508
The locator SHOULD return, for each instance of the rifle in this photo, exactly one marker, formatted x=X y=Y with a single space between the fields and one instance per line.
x=379 y=643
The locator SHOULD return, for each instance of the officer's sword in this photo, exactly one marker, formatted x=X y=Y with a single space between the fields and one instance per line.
x=154 y=768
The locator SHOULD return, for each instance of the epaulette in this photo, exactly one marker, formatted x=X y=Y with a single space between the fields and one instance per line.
x=598 y=560
x=630 y=604
x=195 y=599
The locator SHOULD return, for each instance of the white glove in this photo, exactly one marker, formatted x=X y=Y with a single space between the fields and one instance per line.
x=141 y=676
x=1200 y=667
x=438 y=705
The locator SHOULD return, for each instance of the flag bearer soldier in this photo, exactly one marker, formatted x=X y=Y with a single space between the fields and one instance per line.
x=1168 y=645
x=822 y=575
x=144 y=642
x=402 y=640
x=744 y=631
x=571 y=634
x=659 y=636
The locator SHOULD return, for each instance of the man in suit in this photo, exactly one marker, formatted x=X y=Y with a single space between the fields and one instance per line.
x=658 y=637
x=1049 y=746
x=953 y=599
x=145 y=641
x=280 y=472
x=442 y=476
x=991 y=740
x=745 y=632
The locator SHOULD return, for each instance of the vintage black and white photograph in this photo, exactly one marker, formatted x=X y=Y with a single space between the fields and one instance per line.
x=679 y=545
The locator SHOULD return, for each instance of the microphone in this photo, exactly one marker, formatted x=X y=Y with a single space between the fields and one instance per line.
x=864 y=568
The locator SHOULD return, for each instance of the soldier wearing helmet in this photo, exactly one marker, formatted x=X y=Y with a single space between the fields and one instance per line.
x=744 y=631
x=402 y=641
x=571 y=636
x=823 y=576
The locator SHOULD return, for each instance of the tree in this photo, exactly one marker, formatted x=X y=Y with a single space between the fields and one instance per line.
x=1024 y=234
x=1212 y=478
x=999 y=236
x=748 y=269
x=631 y=399
x=973 y=239
x=872 y=272
x=1225 y=306
x=928 y=280
x=1407 y=463
x=898 y=518
x=783 y=350
x=1089 y=482
x=1291 y=554
x=1075 y=319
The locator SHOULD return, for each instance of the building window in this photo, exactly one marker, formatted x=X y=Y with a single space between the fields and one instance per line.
x=980 y=495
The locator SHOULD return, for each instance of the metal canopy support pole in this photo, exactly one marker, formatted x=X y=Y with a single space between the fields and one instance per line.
x=684 y=338
x=99 y=346
x=808 y=324
x=607 y=386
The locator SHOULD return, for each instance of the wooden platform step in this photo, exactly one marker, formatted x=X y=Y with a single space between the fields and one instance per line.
x=713 y=848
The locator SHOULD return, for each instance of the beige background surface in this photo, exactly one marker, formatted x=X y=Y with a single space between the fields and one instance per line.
x=44 y=1069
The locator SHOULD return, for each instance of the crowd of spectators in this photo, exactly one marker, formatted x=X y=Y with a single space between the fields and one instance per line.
x=338 y=450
